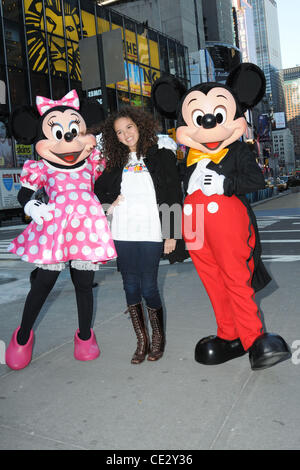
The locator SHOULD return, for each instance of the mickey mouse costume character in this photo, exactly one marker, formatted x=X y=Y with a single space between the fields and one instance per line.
x=72 y=227
x=225 y=248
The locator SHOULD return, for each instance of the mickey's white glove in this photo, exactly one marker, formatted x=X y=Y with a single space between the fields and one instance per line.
x=38 y=211
x=164 y=141
x=211 y=183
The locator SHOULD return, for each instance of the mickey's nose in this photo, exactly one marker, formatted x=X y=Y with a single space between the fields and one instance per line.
x=209 y=121
x=68 y=136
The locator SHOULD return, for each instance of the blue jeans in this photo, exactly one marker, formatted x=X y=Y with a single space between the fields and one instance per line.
x=138 y=263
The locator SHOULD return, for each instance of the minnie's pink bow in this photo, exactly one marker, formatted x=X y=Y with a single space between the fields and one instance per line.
x=71 y=99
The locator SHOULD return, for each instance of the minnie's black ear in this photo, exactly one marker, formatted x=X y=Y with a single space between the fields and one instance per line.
x=93 y=114
x=166 y=95
x=24 y=124
x=249 y=84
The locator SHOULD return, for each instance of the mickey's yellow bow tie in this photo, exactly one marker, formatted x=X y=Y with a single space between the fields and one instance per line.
x=194 y=156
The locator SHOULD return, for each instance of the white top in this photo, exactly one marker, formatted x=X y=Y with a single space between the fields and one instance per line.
x=136 y=218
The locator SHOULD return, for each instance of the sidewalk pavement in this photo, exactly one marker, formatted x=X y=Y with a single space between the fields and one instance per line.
x=59 y=403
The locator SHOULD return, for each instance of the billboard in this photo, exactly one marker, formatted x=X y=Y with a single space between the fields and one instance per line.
x=263 y=130
x=279 y=121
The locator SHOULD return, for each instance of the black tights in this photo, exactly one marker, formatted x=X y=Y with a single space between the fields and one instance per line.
x=42 y=282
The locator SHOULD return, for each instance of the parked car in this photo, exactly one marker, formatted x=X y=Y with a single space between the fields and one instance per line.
x=281 y=185
x=269 y=182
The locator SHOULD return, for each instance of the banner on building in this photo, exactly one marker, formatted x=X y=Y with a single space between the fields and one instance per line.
x=264 y=128
x=279 y=121
x=61 y=31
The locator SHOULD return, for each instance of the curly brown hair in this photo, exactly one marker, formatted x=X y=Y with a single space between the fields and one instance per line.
x=113 y=150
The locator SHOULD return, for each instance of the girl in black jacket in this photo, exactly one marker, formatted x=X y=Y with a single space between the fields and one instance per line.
x=142 y=186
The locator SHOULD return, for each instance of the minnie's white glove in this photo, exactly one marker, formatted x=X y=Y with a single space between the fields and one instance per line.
x=211 y=183
x=164 y=141
x=38 y=211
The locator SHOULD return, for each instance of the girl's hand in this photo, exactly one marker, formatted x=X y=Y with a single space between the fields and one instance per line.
x=169 y=246
x=119 y=199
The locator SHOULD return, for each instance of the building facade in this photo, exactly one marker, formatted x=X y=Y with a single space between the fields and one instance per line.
x=39 y=55
x=283 y=146
x=244 y=30
x=268 y=51
x=292 y=103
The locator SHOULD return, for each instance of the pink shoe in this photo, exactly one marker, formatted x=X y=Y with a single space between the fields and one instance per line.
x=86 y=350
x=18 y=356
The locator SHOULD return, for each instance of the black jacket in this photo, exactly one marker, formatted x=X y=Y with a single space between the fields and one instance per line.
x=161 y=164
x=242 y=176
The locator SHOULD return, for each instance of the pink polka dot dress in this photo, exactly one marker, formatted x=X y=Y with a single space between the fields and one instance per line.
x=76 y=228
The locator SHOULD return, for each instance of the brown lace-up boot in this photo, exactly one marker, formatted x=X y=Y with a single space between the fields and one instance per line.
x=138 y=321
x=158 y=335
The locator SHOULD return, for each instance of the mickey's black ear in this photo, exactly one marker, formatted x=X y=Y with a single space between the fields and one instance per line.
x=249 y=83
x=93 y=114
x=23 y=124
x=166 y=95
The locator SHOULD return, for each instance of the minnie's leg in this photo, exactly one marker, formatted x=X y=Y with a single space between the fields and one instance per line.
x=19 y=352
x=41 y=286
x=86 y=347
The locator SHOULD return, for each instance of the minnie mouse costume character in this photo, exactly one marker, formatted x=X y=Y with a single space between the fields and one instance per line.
x=72 y=227
x=219 y=225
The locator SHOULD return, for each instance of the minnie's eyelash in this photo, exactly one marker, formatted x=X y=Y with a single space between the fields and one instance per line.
x=51 y=123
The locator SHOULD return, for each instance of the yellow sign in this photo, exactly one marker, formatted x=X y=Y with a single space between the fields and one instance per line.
x=62 y=52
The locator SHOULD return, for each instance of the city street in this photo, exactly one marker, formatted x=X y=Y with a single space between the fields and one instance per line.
x=59 y=403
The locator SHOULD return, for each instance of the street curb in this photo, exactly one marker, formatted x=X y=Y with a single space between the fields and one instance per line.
x=285 y=193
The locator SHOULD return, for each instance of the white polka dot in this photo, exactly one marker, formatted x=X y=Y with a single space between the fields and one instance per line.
x=105 y=237
x=33 y=165
x=39 y=228
x=51 y=181
x=86 y=250
x=60 y=199
x=25 y=257
x=110 y=251
x=69 y=236
x=80 y=236
x=60 y=238
x=21 y=239
x=87 y=223
x=83 y=186
x=69 y=209
x=86 y=175
x=93 y=210
x=59 y=254
x=53 y=194
x=99 y=251
x=31 y=236
x=74 y=176
x=96 y=199
x=86 y=196
x=47 y=254
x=99 y=223
x=52 y=229
x=33 y=249
x=75 y=223
x=42 y=240
x=33 y=177
x=73 y=196
x=57 y=212
x=66 y=251
x=73 y=249
x=213 y=207
x=187 y=209
x=70 y=186
x=93 y=237
x=10 y=247
x=61 y=176
x=20 y=251
x=50 y=171
x=81 y=209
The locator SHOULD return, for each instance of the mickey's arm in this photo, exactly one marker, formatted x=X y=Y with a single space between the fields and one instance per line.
x=248 y=177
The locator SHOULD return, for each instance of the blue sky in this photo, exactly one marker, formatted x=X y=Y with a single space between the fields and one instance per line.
x=289 y=31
